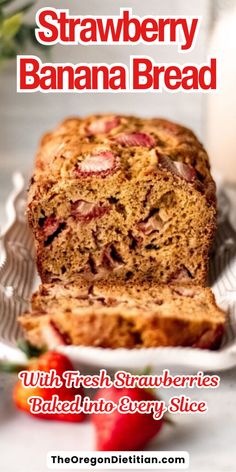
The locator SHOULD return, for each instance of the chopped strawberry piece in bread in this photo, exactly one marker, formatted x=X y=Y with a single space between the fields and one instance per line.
x=86 y=211
x=184 y=171
x=169 y=127
x=111 y=259
x=181 y=275
x=154 y=223
x=135 y=139
x=53 y=337
x=103 y=163
x=211 y=338
x=184 y=291
x=103 y=125
x=50 y=226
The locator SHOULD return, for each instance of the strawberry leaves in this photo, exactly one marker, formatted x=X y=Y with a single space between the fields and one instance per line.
x=15 y=34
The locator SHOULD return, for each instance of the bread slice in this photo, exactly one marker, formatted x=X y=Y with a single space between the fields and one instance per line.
x=124 y=316
x=122 y=198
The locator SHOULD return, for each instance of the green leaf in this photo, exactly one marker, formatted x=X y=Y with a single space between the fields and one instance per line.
x=23 y=35
x=28 y=349
x=10 y=368
x=27 y=34
x=7 y=49
x=3 y=3
x=10 y=26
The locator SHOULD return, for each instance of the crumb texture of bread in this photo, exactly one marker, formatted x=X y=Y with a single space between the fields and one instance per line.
x=122 y=198
x=124 y=316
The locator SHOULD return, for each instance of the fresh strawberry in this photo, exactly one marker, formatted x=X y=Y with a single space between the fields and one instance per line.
x=103 y=125
x=46 y=362
x=184 y=171
x=87 y=211
x=102 y=163
x=51 y=360
x=124 y=431
x=135 y=139
x=21 y=395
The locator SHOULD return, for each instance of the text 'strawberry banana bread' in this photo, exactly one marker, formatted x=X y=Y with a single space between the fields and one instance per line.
x=124 y=316
x=124 y=198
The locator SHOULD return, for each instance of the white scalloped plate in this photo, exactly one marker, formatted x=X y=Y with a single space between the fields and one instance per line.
x=18 y=276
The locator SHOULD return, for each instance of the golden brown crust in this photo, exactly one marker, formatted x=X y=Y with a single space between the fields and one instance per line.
x=128 y=316
x=124 y=198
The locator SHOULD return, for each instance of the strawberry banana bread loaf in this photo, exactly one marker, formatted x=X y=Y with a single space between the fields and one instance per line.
x=124 y=316
x=124 y=198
